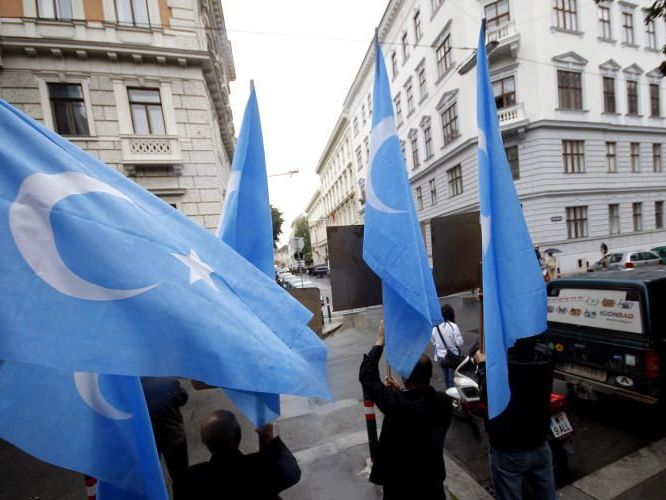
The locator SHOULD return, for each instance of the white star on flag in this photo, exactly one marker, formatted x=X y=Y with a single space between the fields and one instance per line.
x=199 y=270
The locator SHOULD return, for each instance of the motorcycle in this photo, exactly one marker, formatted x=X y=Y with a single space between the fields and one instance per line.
x=465 y=397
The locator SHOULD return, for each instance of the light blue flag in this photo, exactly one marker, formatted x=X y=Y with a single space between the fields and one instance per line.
x=94 y=424
x=99 y=275
x=247 y=227
x=514 y=294
x=392 y=242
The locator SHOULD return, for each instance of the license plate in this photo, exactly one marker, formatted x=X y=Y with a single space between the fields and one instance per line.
x=585 y=371
x=560 y=425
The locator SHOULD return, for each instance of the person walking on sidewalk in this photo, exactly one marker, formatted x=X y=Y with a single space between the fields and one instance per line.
x=446 y=338
x=551 y=267
x=409 y=461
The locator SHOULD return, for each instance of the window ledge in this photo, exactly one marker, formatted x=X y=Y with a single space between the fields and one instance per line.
x=570 y=32
x=425 y=96
x=570 y=110
x=610 y=113
x=656 y=117
x=650 y=49
x=606 y=40
x=631 y=45
x=411 y=113
x=634 y=115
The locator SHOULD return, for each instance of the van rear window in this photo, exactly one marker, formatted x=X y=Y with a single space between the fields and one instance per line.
x=618 y=310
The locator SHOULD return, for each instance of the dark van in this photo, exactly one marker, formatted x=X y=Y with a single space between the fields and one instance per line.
x=607 y=332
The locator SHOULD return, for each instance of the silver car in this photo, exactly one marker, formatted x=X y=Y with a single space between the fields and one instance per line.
x=626 y=260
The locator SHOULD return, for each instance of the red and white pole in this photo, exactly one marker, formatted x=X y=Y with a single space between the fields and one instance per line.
x=371 y=425
x=91 y=487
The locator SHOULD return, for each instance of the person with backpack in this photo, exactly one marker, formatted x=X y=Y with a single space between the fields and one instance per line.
x=448 y=343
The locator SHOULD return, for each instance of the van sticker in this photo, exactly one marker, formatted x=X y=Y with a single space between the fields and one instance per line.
x=608 y=309
x=630 y=360
x=624 y=381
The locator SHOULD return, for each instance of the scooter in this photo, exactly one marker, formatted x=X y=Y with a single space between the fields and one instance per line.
x=466 y=400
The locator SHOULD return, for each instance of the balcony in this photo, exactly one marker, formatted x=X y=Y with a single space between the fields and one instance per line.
x=151 y=151
x=511 y=116
x=507 y=38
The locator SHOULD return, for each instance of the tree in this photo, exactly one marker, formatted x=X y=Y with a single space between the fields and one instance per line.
x=302 y=230
x=654 y=11
x=276 y=217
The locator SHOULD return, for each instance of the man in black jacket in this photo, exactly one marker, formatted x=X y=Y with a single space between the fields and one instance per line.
x=230 y=474
x=517 y=436
x=409 y=462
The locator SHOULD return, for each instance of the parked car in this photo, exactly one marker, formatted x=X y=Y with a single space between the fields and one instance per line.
x=661 y=252
x=626 y=260
x=320 y=271
x=607 y=333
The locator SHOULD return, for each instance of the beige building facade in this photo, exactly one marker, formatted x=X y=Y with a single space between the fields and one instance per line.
x=142 y=85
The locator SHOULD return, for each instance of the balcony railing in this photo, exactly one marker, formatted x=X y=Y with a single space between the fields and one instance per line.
x=147 y=151
x=512 y=114
x=501 y=32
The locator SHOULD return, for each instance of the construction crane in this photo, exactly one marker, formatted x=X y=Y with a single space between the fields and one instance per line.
x=288 y=172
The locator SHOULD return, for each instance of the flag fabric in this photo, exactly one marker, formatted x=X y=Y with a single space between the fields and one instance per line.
x=392 y=243
x=99 y=275
x=94 y=424
x=514 y=293
x=247 y=227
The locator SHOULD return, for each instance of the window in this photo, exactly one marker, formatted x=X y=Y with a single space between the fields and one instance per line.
x=635 y=149
x=505 y=92
x=423 y=90
x=637 y=211
x=363 y=114
x=146 y=108
x=68 y=108
x=450 y=123
x=402 y=148
x=366 y=143
x=54 y=9
x=370 y=105
x=656 y=158
x=632 y=97
x=433 y=192
x=576 y=222
x=570 y=89
x=497 y=13
x=414 y=142
x=628 y=28
x=398 y=109
x=655 y=105
x=565 y=13
x=435 y=4
x=409 y=94
x=394 y=64
x=512 y=158
x=444 y=56
x=614 y=218
x=417 y=26
x=134 y=12
x=659 y=215
x=573 y=156
x=651 y=34
x=605 y=23
x=454 y=176
x=427 y=138
x=611 y=158
x=419 y=198
x=609 y=94
x=405 y=46
x=355 y=125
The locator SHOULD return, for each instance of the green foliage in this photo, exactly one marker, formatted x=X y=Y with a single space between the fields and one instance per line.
x=278 y=219
x=302 y=230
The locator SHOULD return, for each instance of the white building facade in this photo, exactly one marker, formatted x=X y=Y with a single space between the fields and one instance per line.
x=142 y=85
x=317 y=222
x=580 y=104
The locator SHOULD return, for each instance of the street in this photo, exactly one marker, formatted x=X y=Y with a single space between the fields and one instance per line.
x=329 y=437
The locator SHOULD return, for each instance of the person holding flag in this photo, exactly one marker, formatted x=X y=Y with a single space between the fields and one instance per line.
x=408 y=461
x=514 y=311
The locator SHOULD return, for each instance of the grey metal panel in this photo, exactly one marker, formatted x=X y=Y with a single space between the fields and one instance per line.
x=456 y=252
x=353 y=283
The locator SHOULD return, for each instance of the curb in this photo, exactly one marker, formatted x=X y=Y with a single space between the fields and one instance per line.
x=460 y=484
x=329 y=329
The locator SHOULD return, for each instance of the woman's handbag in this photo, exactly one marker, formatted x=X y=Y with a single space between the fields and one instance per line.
x=451 y=360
